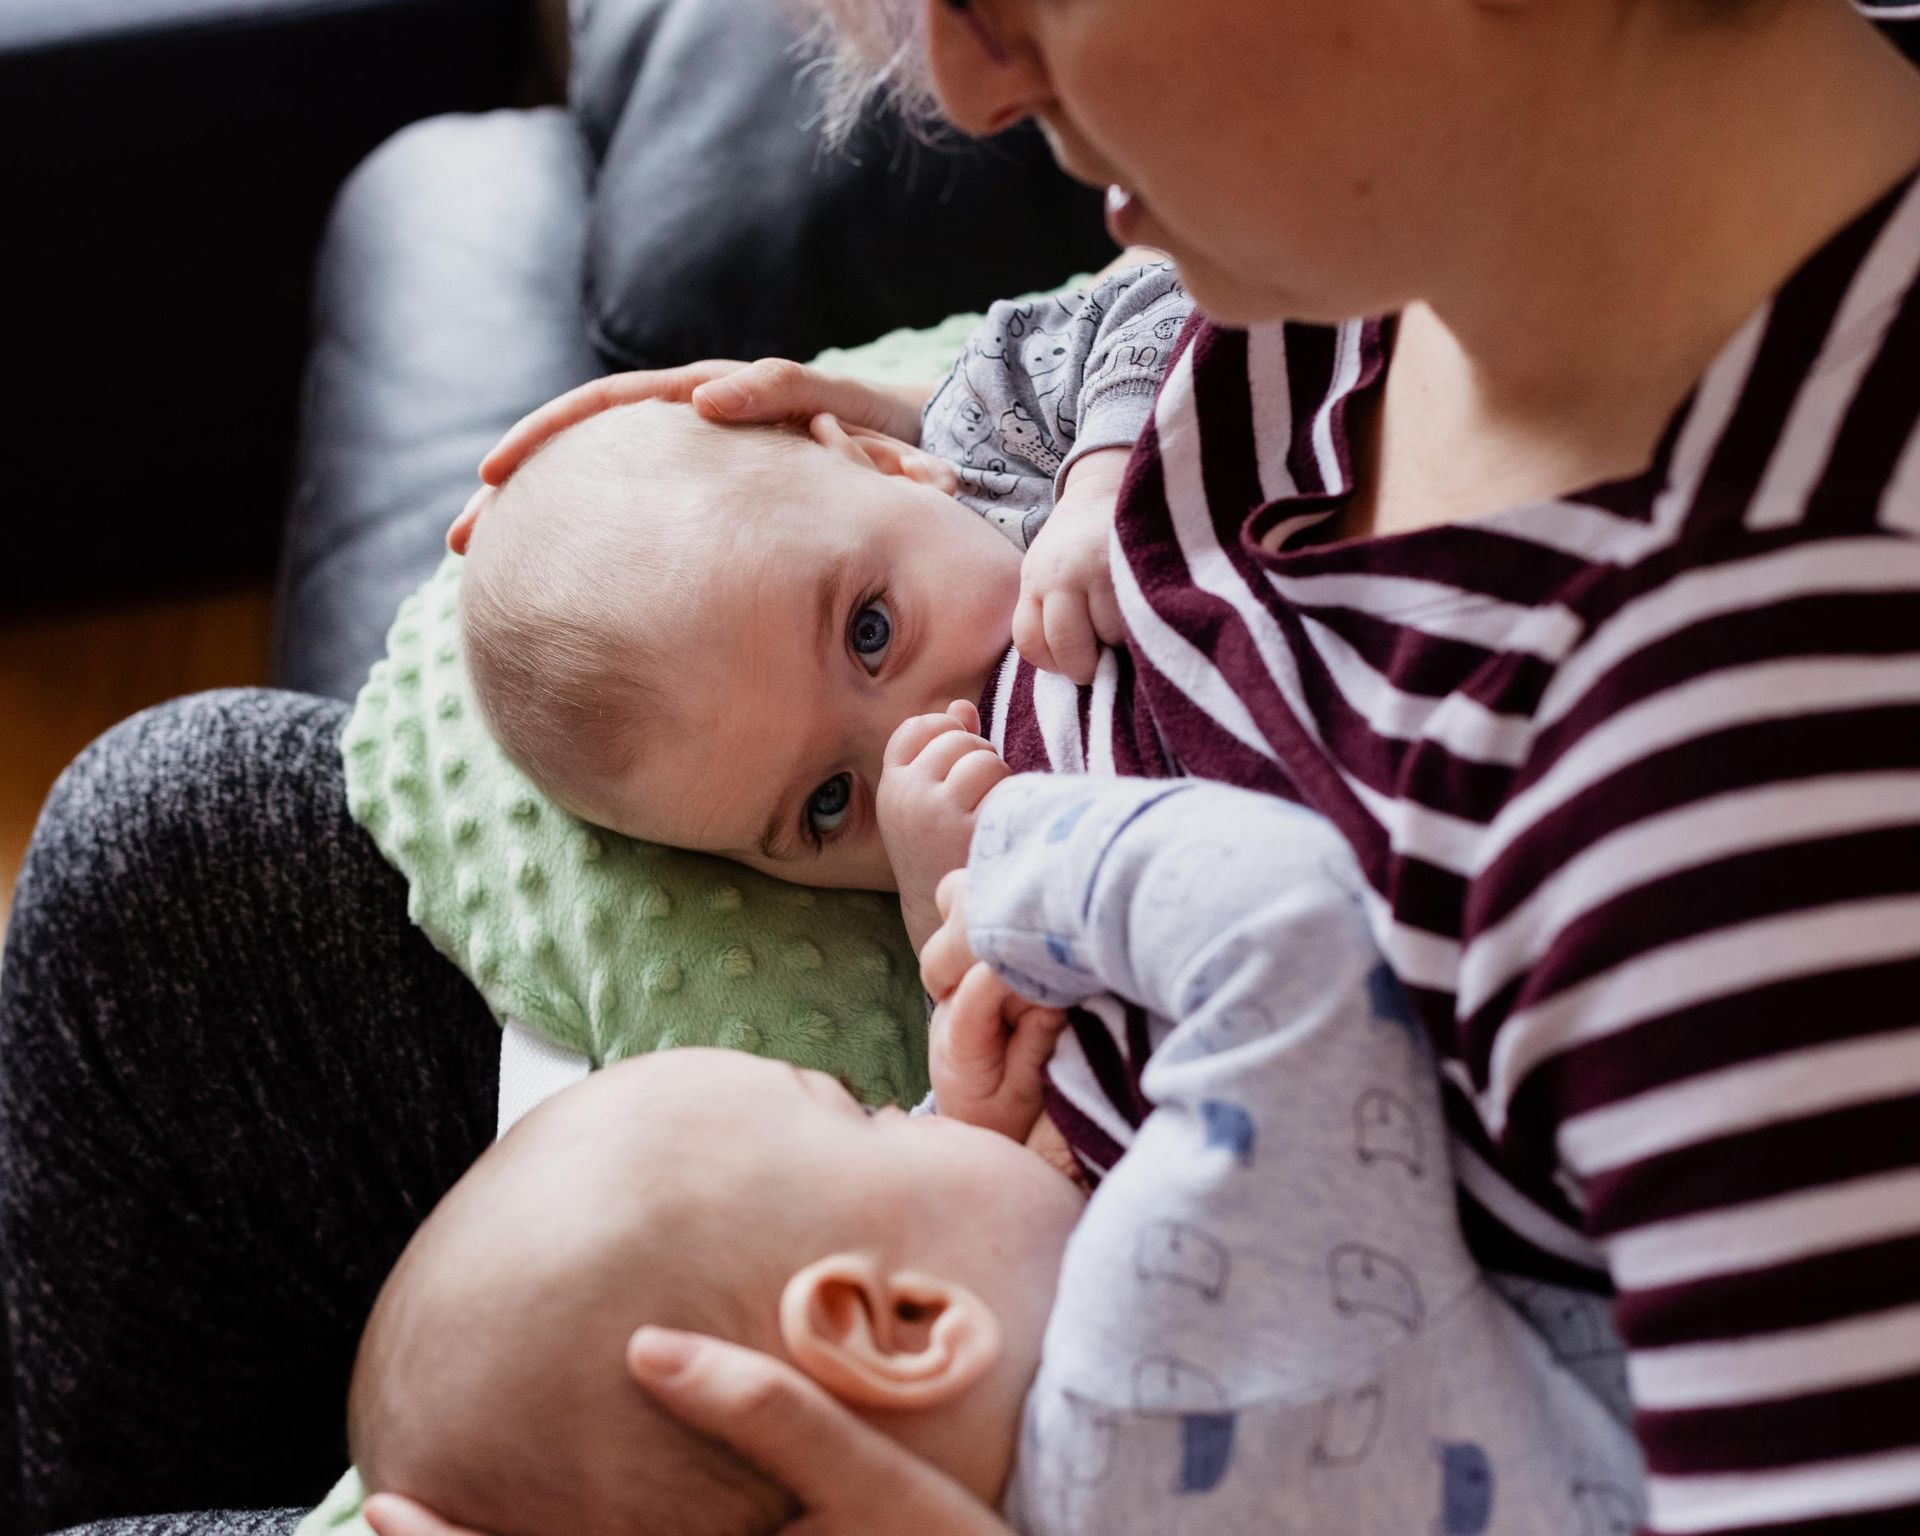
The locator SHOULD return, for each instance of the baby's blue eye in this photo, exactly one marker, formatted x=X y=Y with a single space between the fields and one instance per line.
x=871 y=633
x=829 y=805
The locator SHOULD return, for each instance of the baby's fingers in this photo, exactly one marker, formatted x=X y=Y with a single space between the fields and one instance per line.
x=1069 y=632
x=947 y=956
x=1104 y=608
x=938 y=759
x=949 y=893
x=1029 y=633
x=970 y=779
x=1035 y=1033
x=910 y=738
x=976 y=1028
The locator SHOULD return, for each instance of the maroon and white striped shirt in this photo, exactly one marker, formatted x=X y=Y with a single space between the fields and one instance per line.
x=1634 y=776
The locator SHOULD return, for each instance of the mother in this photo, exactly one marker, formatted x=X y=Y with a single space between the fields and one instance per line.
x=1582 y=594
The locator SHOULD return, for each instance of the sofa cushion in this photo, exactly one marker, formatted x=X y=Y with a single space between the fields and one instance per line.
x=723 y=227
x=447 y=305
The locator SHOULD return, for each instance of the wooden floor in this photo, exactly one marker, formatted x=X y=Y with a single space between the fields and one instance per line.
x=66 y=676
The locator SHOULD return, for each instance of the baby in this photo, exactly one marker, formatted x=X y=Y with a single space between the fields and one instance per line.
x=905 y=1263
x=707 y=636
x=1265 y=1318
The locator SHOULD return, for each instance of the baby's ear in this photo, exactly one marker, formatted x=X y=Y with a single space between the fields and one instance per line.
x=888 y=455
x=896 y=1340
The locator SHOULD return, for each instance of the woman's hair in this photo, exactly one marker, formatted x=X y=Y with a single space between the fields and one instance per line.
x=868 y=51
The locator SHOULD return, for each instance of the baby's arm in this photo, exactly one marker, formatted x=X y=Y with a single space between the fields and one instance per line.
x=1269 y=1302
x=1175 y=896
x=1155 y=890
x=1067 y=607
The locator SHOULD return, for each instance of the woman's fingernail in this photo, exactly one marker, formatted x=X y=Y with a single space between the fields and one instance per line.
x=723 y=397
x=661 y=1353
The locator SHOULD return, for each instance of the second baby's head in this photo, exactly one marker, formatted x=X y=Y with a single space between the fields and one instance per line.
x=704 y=636
x=906 y=1265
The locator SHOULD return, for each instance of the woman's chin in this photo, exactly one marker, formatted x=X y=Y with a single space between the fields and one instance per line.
x=1227 y=298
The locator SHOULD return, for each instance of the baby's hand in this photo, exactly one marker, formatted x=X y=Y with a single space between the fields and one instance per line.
x=1067 y=609
x=989 y=1047
x=988 y=1054
x=936 y=771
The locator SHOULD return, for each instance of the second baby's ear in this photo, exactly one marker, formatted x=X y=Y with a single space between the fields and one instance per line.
x=888 y=455
x=885 y=1339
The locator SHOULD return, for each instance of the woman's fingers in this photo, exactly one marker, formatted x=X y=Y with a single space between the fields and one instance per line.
x=852 y=1480
x=776 y=389
x=589 y=399
x=391 y=1515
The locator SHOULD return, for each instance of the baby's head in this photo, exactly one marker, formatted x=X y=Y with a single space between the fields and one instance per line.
x=907 y=1265
x=704 y=636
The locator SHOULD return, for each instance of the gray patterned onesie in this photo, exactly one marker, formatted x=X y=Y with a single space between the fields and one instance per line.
x=1044 y=382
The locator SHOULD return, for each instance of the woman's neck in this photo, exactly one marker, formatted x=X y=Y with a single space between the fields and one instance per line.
x=1699 y=169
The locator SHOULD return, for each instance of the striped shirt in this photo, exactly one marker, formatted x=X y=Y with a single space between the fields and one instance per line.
x=1634 y=779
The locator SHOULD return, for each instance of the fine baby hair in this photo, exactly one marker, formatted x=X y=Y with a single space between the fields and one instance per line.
x=583 y=564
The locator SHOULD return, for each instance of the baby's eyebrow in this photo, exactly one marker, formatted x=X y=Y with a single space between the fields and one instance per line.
x=826 y=623
x=832 y=584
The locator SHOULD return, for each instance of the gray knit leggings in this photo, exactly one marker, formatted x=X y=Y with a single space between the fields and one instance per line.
x=233 y=1079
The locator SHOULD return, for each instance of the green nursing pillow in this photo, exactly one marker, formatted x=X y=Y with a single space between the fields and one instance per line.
x=601 y=944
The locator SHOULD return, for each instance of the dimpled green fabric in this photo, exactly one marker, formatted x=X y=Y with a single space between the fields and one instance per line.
x=602 y=944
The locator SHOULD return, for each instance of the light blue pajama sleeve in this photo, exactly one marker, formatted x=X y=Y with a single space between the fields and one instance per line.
x=1268 y=1320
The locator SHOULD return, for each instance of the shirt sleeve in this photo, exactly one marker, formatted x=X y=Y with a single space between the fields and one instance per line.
x=1692 y=976
x=1134 y=317
x=1044 y=380
x=1156 y=890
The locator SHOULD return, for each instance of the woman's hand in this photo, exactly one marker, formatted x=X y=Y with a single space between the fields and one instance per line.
x=770 y=390
x=388 y=1514
x=849 y=1479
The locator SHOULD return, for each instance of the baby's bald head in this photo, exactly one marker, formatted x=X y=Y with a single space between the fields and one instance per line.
x=490 y=1382
x=582 y=585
